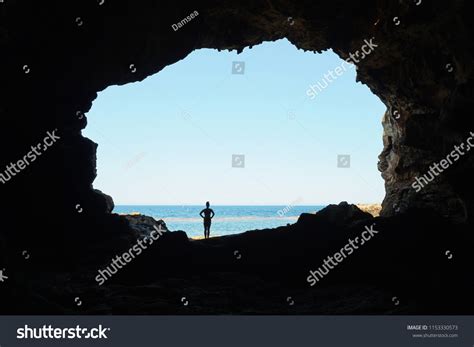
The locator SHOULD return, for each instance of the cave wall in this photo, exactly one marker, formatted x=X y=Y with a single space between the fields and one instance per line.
x=57 y=55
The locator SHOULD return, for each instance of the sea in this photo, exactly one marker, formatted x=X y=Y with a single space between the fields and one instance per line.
x=228 y=219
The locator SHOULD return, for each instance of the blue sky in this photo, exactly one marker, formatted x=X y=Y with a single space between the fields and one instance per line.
x=170 y=138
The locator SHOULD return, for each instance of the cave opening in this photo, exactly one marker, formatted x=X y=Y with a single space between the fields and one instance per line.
x=59 y=57
x=264 y=135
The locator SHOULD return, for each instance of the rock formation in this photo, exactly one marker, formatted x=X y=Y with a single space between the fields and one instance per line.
x=57 y=55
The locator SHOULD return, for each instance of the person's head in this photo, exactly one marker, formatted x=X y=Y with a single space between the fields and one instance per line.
x=207 y=204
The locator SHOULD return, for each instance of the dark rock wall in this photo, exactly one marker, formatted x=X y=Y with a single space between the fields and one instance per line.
x=56 y=55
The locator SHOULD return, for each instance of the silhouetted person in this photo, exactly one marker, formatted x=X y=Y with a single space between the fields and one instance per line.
x=207 y=214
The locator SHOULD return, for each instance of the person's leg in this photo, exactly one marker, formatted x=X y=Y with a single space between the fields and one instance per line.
x=206 y=229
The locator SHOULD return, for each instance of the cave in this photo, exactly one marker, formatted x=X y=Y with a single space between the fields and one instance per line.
x=57 y=56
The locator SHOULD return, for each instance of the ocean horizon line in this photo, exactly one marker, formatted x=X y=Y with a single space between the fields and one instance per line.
x=117 y=204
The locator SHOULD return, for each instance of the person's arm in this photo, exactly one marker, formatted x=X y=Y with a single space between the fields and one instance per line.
x=201 y=214
x=212 y=214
